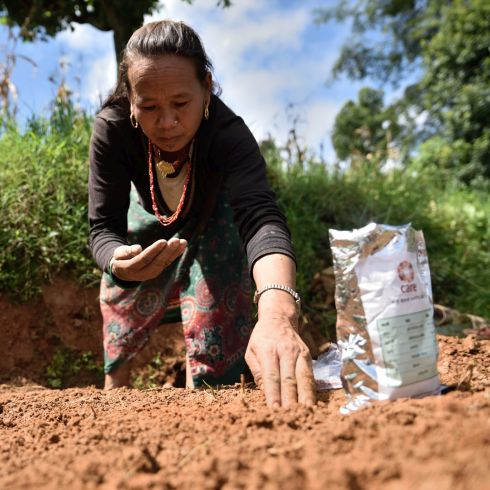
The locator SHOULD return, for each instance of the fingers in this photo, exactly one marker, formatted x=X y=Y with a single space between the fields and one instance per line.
x=149 y=254
x=161 y=254
x=254 y=365
x=134 y=264
x=127 y=251
x=175 y=248
x=305 y=379
x=283 y=371
x=289 y=392
x=271 y=381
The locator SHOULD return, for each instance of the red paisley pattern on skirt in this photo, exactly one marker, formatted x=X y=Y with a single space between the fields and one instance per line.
x=210 y=282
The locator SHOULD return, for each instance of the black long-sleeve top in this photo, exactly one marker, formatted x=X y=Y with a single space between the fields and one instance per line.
x=226 y=157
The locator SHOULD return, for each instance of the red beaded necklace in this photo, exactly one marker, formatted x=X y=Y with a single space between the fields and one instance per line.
x=168 y=221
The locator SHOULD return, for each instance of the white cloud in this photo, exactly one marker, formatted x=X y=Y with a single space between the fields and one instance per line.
x=265 y=59
x=85 y=37
x=267 y=56
x=320 y=116
x=100 y=79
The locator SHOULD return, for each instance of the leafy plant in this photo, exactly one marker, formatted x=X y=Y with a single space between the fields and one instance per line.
x=67 y=367
x=159 y=371
x=151 y=375
x=438 y=47
x=40 y=19
x=44 y=229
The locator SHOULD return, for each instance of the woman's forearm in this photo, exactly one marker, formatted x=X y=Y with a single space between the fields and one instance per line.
x=276 y=269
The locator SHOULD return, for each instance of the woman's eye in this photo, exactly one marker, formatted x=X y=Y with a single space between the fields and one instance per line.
x=181 y=104
x=148 y=108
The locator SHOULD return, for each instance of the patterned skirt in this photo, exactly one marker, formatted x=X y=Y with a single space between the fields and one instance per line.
x=211 y=284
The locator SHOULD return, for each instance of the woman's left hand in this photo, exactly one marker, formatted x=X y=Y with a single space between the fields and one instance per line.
x=279 y=360
x=281 y=363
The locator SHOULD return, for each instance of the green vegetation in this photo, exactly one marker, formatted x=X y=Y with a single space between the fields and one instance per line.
x=159 y=371
x=68 y=368
x=455 y=219
x=152 y=376
x=43 y=224
x=44 y=230
x=441 y=48
x=43 y=219
x=365 y=130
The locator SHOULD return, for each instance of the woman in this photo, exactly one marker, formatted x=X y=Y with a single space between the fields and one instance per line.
x=178 y=201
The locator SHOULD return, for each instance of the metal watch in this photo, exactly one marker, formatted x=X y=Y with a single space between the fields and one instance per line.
x=282 y=287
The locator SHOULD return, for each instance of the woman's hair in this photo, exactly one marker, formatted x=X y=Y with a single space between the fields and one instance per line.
x=157 y=39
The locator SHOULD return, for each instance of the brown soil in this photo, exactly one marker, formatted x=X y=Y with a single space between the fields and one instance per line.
x=169 y=438
x=67 y=318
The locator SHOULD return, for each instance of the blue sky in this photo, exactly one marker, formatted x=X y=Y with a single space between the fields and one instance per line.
x=267 y=55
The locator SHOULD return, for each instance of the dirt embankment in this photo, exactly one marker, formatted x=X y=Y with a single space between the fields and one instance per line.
x=66 y=319
x=169 y=438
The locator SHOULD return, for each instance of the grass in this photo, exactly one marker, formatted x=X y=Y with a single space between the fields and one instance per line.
x=152 y=376
x=44 y=229
x=43 y=222
x=67 y=367
x=455 y=219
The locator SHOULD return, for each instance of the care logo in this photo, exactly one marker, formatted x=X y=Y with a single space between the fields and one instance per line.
x=405 y=271
x=407 y=275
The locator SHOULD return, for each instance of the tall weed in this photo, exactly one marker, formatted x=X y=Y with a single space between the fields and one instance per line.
x=43 y=219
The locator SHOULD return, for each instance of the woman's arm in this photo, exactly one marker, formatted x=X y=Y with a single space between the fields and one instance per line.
x=279 y=360
x=108 y=188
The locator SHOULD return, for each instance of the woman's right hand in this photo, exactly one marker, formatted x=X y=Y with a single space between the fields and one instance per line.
x=132 y=263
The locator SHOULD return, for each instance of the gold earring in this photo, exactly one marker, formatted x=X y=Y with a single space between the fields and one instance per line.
x=206 y=112
x=133 y=120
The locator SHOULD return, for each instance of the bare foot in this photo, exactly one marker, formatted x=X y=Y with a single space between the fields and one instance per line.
x=118 y=378
x=189 y=382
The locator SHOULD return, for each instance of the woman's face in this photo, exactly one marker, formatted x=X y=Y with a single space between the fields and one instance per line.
x=167 y=99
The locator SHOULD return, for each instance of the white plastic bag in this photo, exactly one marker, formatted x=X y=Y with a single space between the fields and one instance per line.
x=326 y=369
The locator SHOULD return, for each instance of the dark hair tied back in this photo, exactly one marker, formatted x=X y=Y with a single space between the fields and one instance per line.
x=157 y=39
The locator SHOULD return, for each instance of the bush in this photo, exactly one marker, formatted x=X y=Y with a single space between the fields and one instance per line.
x=70 y=368
x=44 y=229
x=455 y=219
x=43 y=223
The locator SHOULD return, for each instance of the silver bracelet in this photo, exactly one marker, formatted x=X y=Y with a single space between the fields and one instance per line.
x=282 y=287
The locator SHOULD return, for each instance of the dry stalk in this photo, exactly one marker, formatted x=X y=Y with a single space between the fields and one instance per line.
x=193 y=450
x=210 y=390
x=274 y=451
x=94 y=413
x=242 y=391
x=8 y=90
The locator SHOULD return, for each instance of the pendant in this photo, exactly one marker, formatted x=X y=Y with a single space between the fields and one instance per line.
x=165 y=168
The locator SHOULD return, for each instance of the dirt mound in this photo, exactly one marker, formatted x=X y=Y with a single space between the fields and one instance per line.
x=85 y=438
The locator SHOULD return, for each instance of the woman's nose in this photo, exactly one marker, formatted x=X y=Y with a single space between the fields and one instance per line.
x=167 y=120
